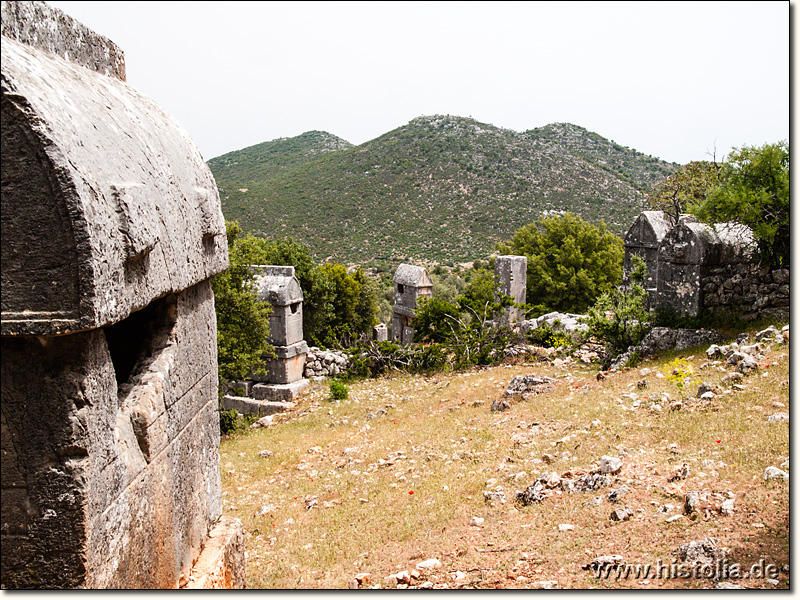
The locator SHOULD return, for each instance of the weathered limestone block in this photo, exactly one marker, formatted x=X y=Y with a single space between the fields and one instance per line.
x=40 y=26
x=221 y=564
x=288 y=365
x=642 y=240
x=380 y=332
x=511 y=279
x=135 y=478
x=280 y=287
x=262 y=403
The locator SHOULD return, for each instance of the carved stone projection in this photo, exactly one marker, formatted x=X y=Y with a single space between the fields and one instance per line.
x=511 y=279
x=410 y=284
x=111 y=228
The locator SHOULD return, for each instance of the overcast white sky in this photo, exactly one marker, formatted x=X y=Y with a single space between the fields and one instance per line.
x=671 y=79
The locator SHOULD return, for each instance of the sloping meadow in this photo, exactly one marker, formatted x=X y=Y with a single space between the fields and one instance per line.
x=365 y=492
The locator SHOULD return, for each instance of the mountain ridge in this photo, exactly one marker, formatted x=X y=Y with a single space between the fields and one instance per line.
x=441 y=188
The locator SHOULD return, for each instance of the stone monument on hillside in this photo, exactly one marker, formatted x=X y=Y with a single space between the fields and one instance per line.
x=284 y=378
x=694 y=267
x=111 y=229
x=643 y=239
x=511 y=279
x=410 y=284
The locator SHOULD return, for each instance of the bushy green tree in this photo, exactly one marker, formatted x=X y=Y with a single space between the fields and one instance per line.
x=435 y=319
x=686 y=187
x=344 y=305
x=753 y=190
x=570 y=261
x=479 y=291
x=242 y=321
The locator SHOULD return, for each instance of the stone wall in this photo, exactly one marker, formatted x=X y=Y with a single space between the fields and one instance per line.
x=747 y=290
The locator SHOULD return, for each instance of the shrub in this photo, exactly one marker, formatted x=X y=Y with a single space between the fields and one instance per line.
x=619 y=317
x=230 y=422
x=547 y=337
x=338 y=390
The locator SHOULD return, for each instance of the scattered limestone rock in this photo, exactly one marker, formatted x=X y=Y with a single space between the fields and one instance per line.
x=621 y=514
x=747 y=365
x=429 y=564
x=705 y=551
x=732 y=378
x=496 y=496
x=775 y=473
x=604 y=562
x=546 y=585
x=610 y=465
x=460 y=578
x=617 y=494
x=778 y=418
x=500 y=405
x=263 y=422
x=526 y=385
x=727 y=507
x=770 y=333
x=680 y=474
x=403 y=577
x=265 y=453
x=476 y=521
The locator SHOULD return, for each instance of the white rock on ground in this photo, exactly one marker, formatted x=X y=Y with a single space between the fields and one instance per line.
x=610 y=465
x=775 y=473
x=429 y=564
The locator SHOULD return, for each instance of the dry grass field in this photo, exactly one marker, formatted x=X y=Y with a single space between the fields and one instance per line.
x=394 y=475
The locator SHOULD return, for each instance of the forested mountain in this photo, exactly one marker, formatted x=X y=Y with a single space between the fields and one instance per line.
x=441 y=188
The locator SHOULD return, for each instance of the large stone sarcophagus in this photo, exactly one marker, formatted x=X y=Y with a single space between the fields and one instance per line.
x=111 y=229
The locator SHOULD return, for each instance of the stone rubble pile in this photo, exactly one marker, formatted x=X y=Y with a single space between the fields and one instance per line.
x=557 y=321
x=549 y=483
x=325 y=363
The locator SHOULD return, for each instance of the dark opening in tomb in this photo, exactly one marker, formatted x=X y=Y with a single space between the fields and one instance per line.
x=400 y=288
x=133 y=340
x=294 y=307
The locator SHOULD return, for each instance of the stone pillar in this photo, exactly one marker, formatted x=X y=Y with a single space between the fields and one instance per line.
x=380 y=332
x=511 y=279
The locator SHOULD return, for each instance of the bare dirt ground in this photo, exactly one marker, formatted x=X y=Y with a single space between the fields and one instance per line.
x=358 y=493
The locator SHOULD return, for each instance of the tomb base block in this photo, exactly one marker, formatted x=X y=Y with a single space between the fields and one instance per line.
x=221 y=564
x=252 y=406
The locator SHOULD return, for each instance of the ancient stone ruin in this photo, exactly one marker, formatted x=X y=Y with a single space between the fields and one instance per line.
x=111 y=229
x=283 y=378
x=280 y=287
x=642 y=240
x=694 y=266
x=511 y=279
x=410 y=284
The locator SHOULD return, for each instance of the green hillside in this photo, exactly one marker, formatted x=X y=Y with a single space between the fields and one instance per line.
x=441 y=188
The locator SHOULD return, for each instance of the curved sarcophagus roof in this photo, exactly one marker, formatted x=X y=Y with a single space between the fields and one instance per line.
x=107 y=203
